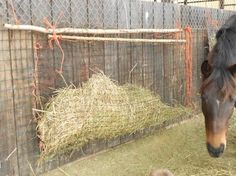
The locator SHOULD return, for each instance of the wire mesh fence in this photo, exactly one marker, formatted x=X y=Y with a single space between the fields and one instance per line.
x=160 y=67
x=103 y=13
x=100 y=13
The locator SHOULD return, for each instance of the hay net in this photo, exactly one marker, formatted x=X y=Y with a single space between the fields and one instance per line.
x=99 y=109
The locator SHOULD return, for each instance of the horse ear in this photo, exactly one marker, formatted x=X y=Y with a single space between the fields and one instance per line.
x=232 y=69
x=205 y=68
x=220 y=33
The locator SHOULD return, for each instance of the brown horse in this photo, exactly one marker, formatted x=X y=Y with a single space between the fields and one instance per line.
x=218 y=90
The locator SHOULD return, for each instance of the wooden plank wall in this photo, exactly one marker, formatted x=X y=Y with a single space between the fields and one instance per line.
x=124 y=49
x=148 y=49
x=17 y=53
x=178 y=58
x=111 y=48
x=80 y=49
x=136 y=65
x=201 y=51
x=22 y=64
x=96 y=49
x=159 y=67
x=168 y=23
x=158 y=52
x=8 y=136
x=193 y=19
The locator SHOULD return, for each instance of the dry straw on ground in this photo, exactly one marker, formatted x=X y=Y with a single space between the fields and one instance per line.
x=181 y=149
x=100 y=109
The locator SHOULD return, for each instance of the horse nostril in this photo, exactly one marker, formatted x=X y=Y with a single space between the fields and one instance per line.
x=215 y=152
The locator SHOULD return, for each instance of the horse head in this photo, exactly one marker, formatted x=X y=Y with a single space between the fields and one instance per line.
x=218 y=90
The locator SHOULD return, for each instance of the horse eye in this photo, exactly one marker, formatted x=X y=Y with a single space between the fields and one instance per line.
x=233 y=98
x=203 y=96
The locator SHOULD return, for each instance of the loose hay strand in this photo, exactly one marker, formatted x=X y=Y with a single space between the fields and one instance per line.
x=64 y=172
x=100 y=109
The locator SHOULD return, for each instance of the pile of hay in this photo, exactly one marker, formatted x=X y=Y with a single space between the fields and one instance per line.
x=100 y=109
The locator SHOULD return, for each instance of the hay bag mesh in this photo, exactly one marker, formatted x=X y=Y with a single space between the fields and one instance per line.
x=100 y=109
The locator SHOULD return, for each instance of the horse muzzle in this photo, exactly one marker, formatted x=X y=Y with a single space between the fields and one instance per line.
x=215 y=152
x=216 y=143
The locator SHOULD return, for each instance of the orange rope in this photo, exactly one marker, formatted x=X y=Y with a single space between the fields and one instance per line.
x=35 y=91
x=37 y=47
x=214 y=23
x=188 y=66
x=55 y=38
x=14 y=12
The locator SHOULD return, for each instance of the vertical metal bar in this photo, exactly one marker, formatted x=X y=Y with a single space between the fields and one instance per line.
x=221 y=4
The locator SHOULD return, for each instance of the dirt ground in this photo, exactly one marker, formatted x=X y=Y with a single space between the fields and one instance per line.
x=181 y=149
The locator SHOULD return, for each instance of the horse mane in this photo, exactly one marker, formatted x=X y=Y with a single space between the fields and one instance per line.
x=222 y=56
x=224 y=48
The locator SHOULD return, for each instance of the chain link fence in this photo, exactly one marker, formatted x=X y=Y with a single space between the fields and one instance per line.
x=107 y=14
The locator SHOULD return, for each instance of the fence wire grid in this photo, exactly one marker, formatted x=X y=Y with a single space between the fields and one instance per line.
x=106 y=13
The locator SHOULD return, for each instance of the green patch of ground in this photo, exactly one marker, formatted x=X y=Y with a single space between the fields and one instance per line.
x=180 y=149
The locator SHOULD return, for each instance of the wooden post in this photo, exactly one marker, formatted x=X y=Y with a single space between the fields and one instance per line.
x=89 y=31
x=221 y=5
x=185 y=2
x=110 y=39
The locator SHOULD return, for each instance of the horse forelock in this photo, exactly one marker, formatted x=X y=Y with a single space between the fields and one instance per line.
x=223 y=79
x=224 y=51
